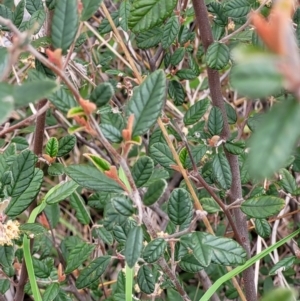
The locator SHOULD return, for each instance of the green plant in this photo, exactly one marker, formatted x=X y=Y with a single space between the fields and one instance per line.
x=133 y=176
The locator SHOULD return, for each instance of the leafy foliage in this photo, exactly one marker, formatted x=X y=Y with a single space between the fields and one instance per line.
x=128 y=140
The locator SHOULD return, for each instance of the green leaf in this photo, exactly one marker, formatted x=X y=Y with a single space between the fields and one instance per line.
x=91 y=178
x=105 y=235
x=51 y=292
x=21 y=143
x=176 y=92
x=36 y=21
x=231 y=113
x=215 y=121
x=179 y=206
x=201 y=251
x=154 y=192
x=186 y=74
x=225 y=251
x=149 y=38
x=105 y=26
x=236 y=8
x=177 y=56
x=123 y=205
x=287 y=181
x=78 y=255
x=53 y=214
x=171 y=30
x=161 y=153
x=9 y=151
x=197 y=153
x=4 y=286
x=77 y=203
x=262 y=228
x=42 y=268
x=147 y=102
x=33 y=91
x=6 y=13
x=124 y=13
x=146 y=280
x=56 y=169
x=142 y=170
x=6 y=256
x=98 y=162
x=133 y=246
x=33 y=228
x=147 y=14
x=190 y=264
x=60 y=192
x=273 y=143
x=193 y=64
x=63 y=100
x=217 y=56
x=89 y=8
x=280 y=294
x=120 y=234
x=19 y=13
x=22 y=172
x=111 y=133
x=254 y=121
x=21 y=202
x=154 y=250
x=33 y=5
x=65 y=145
x=64 y=24
x=210 y=205
x=262 y=206
x=185 y=35
x=285 y=263
x=92 y=272
x=236 y=147
x=196 y=111
x=52 y=147
x=6 y=97
x=102 y=94
x=183 y=155
x=221 y=171
x=256 y=74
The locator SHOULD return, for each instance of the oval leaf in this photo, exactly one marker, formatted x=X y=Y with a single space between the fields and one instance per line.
x=142 y=170
x=179 y=206
x=147 y=101
x=91 y=178
x=133 y=246
x=221 y=171
x=147 y=14
x=146 y=279
x=92 y=272
x=262 y=206
x=154 y=192
x=64 y=24
x=217 y=56
x=154 y=250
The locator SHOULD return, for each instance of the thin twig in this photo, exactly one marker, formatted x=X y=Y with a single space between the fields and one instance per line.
x=24 y=122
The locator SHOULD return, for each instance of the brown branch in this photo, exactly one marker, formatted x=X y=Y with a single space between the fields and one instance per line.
x=24 y=122
x=217 y=99
x=206 y=283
